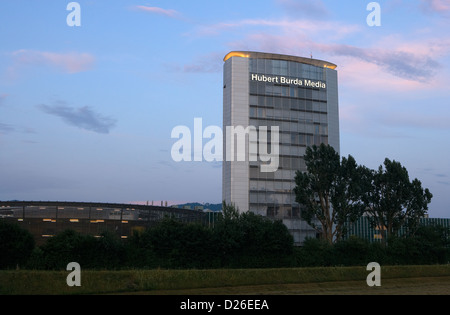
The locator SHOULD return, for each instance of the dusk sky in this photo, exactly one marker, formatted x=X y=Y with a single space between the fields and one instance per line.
x=86 y=112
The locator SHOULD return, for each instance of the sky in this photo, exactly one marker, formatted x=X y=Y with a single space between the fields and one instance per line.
x=86 y=112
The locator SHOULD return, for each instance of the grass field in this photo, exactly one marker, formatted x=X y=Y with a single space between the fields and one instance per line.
x=417 y=280
x=402 y=286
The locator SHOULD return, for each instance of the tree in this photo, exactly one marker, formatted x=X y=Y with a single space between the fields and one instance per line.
x=394 y=201
x=62 y=249
x=250 y=240
x=351 y=184
x=174 y=244
x=16 y=245
x=330 y=191
x=229 y=211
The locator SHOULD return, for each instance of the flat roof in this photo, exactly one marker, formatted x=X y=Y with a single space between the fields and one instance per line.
x=262 y=55
x=16 y=203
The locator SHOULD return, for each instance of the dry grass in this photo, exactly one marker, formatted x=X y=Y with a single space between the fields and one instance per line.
x=403 y=286
x=326 y=280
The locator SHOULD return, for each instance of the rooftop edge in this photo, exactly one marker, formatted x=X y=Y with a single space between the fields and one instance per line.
x=261 y=55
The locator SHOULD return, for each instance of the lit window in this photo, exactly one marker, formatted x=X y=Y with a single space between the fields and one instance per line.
x=97 y=221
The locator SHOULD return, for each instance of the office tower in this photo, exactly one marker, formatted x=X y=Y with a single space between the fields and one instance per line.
x=296 y=99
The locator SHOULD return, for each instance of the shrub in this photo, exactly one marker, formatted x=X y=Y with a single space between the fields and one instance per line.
x=315 y=252
x=351 y=252
x=16 y=245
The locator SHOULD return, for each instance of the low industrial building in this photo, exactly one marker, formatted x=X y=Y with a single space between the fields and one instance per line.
x=46 y=219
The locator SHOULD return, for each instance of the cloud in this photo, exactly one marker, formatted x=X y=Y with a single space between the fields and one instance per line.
x=308 y=8
x=210 y=63
x=391 y=119
x=302 y=27
x=30 y=181
x=417 y=120
x=412 y=59
x=441 y=7
x=82 y=117
x=2 y=98
x=166 y=12
x=411 y=66
x=5 y=128
x=398 y=60
x=66 y=62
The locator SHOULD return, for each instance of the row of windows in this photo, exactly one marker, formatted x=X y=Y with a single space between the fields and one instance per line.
x=71 y=212
x=299 y=117
x=291 y=126
x=289 y=150
x=288 y=103
x=281 y=175
x=273 y=186
x=285 y=163
x=95 y=213
x=272 y=198
x=286 y=68
x=286 y=128
x=298 y=139
x=283 y=211
x=277 y=90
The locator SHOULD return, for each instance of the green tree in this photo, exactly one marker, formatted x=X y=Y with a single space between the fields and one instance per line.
x=315 y=253
x=174 y=244
x=104 y=252
x=394 y=201
x=353 y=251
x=428 y=245
x=229 y=211
x=228 y=234
x=352 y=182
x=330 y=191
x=62 y=249
x=251 y=240
x=16 y=245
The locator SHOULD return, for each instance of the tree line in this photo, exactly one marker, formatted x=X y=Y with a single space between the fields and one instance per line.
x=237 y=240
x=336 y=192
x=333 y=192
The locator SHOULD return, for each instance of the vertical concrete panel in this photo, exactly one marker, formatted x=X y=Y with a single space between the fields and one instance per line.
x=236 y=113
x=333 y=109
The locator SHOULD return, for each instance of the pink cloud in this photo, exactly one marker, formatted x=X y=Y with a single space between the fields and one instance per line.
x=394 y=59
x=366 y=76
x=65 y=62
x=209 y=63
x=2 y=98
x=438 y=6
x=166 y=12
x=304 y=26
x=316 y=8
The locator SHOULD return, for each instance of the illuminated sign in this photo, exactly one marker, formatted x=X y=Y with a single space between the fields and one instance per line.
x=284 y=80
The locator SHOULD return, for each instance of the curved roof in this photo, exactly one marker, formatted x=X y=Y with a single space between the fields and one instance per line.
x=261 y=55
x=6 y=205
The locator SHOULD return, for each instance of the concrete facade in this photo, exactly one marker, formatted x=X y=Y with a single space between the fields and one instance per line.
x=297 y=96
